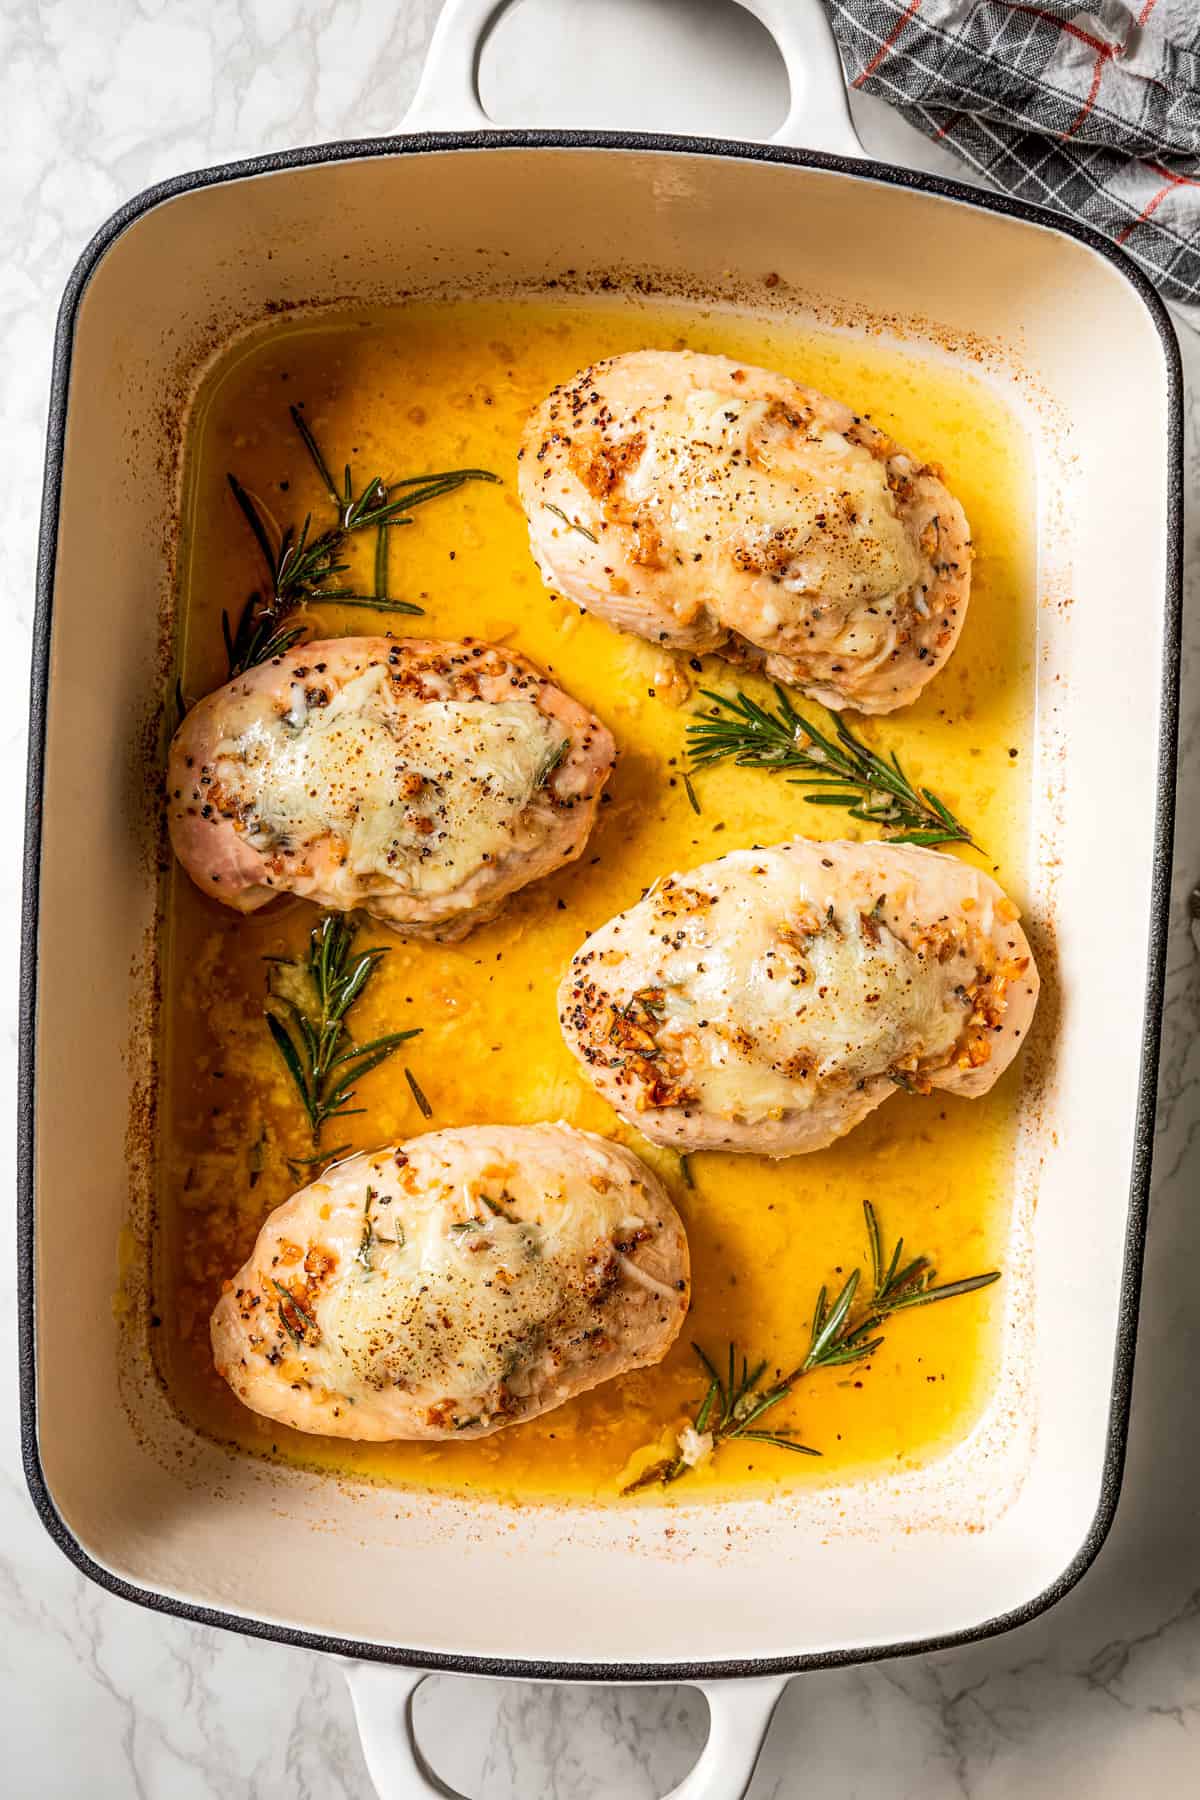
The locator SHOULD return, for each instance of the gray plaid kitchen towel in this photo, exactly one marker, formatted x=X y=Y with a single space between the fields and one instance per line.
x=1093 y=110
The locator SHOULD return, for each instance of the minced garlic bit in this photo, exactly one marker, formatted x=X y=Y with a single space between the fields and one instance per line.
x=671 y=682
x=695 y=1446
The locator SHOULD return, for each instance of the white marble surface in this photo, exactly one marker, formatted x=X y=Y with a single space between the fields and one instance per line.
x=1100 y=1698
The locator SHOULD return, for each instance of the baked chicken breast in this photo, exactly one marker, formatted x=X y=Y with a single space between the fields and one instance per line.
x=772 y=999
x=422 y=781
x=710 y=506
x=460 y=1282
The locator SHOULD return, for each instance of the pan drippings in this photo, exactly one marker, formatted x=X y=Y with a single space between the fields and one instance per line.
x=426 y=388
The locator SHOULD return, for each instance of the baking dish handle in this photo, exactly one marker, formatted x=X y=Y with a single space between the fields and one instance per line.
x=818 y=118
x=739 y=1714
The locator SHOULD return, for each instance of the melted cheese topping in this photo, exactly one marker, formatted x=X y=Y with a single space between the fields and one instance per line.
x=458 y=1309
x=785 y=492
x=766 y=1001
x=467 y=1276
x=422 y=792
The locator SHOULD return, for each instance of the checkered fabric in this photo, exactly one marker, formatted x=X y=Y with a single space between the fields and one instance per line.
x=1093 y=111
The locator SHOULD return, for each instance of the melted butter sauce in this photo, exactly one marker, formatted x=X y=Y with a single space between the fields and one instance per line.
x=418 y=388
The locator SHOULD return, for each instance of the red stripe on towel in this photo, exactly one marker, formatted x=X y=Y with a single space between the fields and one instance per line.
x=912 y=7
x=1102 y=56
x=1170 y=180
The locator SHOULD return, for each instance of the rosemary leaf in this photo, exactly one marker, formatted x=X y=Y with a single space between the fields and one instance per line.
x=690 y=791
x=373 y=605
x=926 y=1296
x=366 y=1244
x=423 y=1105
x=381 y=563
x=379 y=1047
x=294 y=1065
x=875 y=1243
x=549 y=763
x=571 y=524
x=253 y=518
x=824 y=1339
x=311 y=445
x=707 y=1404
x=290 y=1310
x=780 y=1443
x=458 y=476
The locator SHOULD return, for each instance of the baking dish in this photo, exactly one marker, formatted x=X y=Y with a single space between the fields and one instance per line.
x=973 y=1544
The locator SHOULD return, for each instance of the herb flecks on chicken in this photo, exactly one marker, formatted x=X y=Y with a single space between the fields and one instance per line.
x=844 y=1331
x=303 y=566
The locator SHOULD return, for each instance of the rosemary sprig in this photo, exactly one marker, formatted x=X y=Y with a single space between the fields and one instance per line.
x=306 y=1006
x=843 y=770
x=734 y=1401
x=374 y=505
x=302 y=566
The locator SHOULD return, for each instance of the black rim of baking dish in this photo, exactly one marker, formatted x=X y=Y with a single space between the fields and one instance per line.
x=1135 y=1236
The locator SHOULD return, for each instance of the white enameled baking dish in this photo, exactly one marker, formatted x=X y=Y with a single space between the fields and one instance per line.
x=968 y=1546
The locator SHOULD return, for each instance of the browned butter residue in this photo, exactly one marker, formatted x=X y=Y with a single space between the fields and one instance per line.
x=422 y=387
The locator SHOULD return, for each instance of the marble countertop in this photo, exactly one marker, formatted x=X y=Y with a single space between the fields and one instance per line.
x=1100 y=1698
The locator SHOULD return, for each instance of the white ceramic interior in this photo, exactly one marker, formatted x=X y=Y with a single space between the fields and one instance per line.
x=923 y=1557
